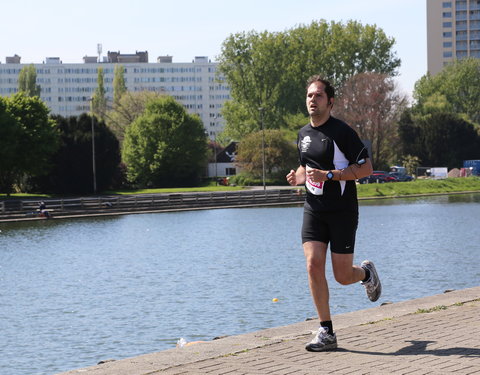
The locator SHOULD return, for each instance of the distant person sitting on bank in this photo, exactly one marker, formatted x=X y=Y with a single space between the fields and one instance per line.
x=42 y=208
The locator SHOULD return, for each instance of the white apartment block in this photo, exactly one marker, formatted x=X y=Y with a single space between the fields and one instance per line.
x=67 y=88
x=453 y=31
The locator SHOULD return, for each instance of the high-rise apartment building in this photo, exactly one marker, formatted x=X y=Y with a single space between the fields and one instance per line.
x=453 y=31
x=67 y=88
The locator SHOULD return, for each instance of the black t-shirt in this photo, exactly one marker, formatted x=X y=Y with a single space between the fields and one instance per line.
x=333 y=145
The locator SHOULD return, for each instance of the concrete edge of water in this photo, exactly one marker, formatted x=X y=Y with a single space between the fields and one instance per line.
x=154 y=362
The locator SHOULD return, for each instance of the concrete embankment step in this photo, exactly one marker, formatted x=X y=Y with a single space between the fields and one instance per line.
x=431 y=335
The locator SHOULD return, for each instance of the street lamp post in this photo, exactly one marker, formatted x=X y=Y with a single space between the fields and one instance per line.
x=215 y=156
x=215 y=118
x=263 y=149
x=93 y=149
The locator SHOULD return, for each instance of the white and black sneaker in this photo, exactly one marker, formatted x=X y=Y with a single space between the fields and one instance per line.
x=322 y=341
x=373 y=287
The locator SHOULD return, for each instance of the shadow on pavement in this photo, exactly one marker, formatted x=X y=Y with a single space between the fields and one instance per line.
x=420 y=347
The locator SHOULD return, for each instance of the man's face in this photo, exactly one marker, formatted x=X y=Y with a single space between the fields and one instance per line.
x=317 y=101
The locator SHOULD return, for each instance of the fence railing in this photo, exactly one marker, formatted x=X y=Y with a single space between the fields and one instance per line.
x=120 y=204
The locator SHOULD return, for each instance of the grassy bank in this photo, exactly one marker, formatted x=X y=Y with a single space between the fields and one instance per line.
x=207 y=188
x=392 y=190
x=177 y=190
x=397 y=189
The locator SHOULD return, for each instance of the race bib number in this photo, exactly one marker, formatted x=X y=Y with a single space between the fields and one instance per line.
x=315 y=188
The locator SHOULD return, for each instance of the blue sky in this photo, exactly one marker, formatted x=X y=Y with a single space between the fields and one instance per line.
x=183 y=29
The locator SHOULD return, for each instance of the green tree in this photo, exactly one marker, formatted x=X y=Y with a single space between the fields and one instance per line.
x=409 y=133
x=99 y=100
x=72 y=171
x=411 y=163
x=269 y=70
x=165 y=146
x=439 y=139
x=28 y=139
x=119 y=86
x=454 y=89
x=27 y=81
x=280 y=154
x=10 y=135
x=238 y=121
x=254 y=67
x=124 y=112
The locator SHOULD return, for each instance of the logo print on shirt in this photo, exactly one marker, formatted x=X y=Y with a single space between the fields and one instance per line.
x=305 y=143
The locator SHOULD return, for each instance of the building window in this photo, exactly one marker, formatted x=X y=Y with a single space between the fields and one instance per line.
x=447 y=44
x=447 y=54
x=447 y=24
x=230 y=171
x=447 y=4
x=447 y=34
x=447 y=14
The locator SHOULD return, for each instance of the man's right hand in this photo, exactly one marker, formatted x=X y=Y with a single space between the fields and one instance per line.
x=292 y=178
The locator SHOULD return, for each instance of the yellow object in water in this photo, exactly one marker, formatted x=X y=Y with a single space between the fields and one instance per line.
x=275 y=300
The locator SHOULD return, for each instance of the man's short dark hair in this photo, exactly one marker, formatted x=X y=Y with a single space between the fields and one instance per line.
x=329 y=89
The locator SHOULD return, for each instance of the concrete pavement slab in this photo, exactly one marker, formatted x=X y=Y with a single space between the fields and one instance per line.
x=432 y=335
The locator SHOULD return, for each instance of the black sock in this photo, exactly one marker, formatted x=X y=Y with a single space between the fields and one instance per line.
x=367 y=275
x=327 y=324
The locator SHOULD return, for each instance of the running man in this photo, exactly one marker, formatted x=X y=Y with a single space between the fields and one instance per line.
x=332 y=157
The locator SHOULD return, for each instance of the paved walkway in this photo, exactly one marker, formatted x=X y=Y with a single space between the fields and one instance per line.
x=433 y=335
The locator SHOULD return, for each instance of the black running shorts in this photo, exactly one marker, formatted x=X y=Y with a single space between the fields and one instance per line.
x=335 y=228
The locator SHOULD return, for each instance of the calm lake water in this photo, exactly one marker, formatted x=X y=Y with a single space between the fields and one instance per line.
x=74 y=292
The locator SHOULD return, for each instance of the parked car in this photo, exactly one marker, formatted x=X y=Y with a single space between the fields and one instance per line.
x=401 y=176
x=377 y=177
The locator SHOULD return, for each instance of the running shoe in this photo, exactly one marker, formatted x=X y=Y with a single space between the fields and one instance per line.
x=373 y=287
x=322 y=341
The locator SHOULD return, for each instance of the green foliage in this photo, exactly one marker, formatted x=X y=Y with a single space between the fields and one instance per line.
x=411 y=163
x=27 y=139
x=454 y=89
x=127 y=109
x=246 y=179
x=119 y=86
x=269 y=70
x=296 y=121
x=165 y=146
x=439 y=138
x=72 y=171
x=10 y=135
x=280 y=154
x=99 y=101
x=27 y=81
x=239 y=122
